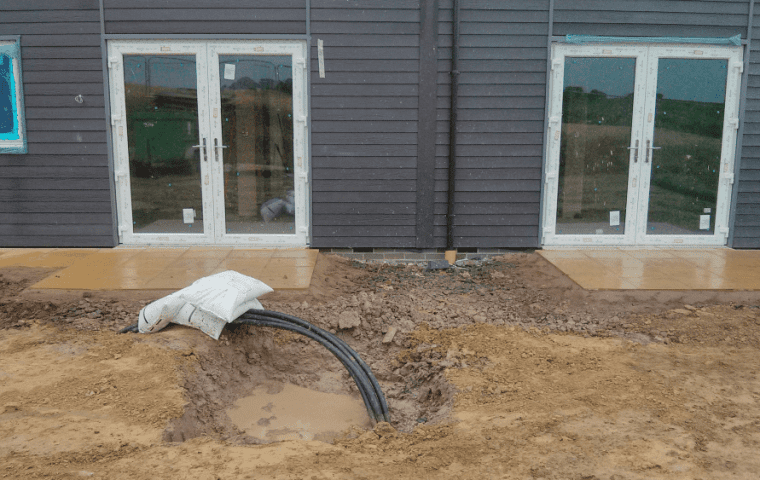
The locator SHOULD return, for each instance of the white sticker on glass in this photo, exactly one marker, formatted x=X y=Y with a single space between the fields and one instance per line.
x=614 y=218
x=188 y=215
x=704 y=222
x=229 y=71
x=707 y=210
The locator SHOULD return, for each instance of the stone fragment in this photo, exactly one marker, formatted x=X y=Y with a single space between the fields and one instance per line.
x=11 y=407
x=388 y=338
x=689 y=307
x=348 y=319
x=438 y=265
x=682 y=311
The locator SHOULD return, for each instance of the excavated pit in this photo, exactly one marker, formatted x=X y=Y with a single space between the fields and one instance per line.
x=296 y=376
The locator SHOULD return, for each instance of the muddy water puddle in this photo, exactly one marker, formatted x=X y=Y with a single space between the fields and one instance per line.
x=282 y=411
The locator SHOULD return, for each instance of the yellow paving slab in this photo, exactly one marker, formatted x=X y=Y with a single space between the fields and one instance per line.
x=153 y=268
x=662 y=269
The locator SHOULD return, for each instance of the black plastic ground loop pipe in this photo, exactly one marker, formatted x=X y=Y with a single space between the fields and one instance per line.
x=334 y=338
x=371 y=402
x=372 y=394
x=337 y=342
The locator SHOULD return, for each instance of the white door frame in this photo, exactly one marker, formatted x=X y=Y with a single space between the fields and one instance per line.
x=645 y=89
x=207 y=74
x=297 y=50
x=728 y=143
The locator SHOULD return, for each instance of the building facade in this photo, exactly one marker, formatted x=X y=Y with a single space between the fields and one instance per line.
x=328 y=123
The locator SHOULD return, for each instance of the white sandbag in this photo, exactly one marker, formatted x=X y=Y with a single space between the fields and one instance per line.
x=208 y=304
x=224 y=293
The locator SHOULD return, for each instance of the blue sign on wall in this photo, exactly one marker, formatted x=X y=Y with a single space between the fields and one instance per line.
x=12 y=125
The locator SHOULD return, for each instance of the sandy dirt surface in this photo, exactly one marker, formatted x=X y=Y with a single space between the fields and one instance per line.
x=503 y=369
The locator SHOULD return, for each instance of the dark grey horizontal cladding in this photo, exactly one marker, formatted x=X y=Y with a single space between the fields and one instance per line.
x=365 y=126
x=340 y=185
x=59 y=193
x=48 y=183
x=200 y=27
x=21 y=218
x=339 y=240
x=657 y=18
x=44 y=207
x=62 y=76
x=500 y=122
x=482 y=138
x=44 y=197
x=38 y=240
x=342 y=208
x=491 y=186
x=26 y=5
x=485 y=209
x=61 y=40
x=88 y=101
x=364 y=174
x=492 y=174
x=61 y=113
x=336 y=40
x=329 y=163
x=60 y=52
x=365 y=139
x=53 y=161
x=391 y=220
x=54 y=172
x=747 y=220
x=487 y=163
x=364 y=123
x=360 y=114
x=44 y=29
x=205 y=17
x=483 y=126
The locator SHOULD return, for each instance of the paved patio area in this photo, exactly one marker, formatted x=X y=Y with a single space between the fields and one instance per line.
x=649 y=269
x=153 y=268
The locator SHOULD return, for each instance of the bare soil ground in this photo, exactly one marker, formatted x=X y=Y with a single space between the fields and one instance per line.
x=504 y=369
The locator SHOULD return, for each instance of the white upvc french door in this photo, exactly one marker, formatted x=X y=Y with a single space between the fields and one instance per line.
x=641 y=144
x=210 y=142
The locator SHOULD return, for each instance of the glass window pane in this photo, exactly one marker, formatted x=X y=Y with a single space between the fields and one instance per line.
x=257 y=128
x=597 y=111
x=691 y=96
x=162 y=128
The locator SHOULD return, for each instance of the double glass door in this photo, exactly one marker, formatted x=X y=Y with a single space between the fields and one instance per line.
x=209 y=141
x=641 y=144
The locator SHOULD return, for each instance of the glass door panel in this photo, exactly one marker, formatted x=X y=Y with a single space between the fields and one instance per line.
x=259 y=136
x=161 y=99
x=597 y=110
x=641 y=144
x=256 y=94
x=687 y=146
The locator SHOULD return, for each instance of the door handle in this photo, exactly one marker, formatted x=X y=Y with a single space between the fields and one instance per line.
x=636 y=153
x=204 y=155
x=649 y=149
x=216 y=145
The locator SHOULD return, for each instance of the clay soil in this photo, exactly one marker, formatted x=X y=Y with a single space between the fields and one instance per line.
x=502 y=369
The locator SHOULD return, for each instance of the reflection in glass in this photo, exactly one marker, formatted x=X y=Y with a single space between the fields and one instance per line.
x=162 y=127
x=688 y=128
x=257 y=128
x=597 y=109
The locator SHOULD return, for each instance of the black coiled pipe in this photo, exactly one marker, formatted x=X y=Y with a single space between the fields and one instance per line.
x=329 y=337
x=369 y=388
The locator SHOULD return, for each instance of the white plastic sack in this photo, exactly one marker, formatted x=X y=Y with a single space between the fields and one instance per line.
x=223 y=294
x=208 y=304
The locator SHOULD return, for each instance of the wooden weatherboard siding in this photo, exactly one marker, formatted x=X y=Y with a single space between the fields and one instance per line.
x=213 y=17
x=364 y=123
x=502 y=85
x=747 y=223
x=58 y=194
